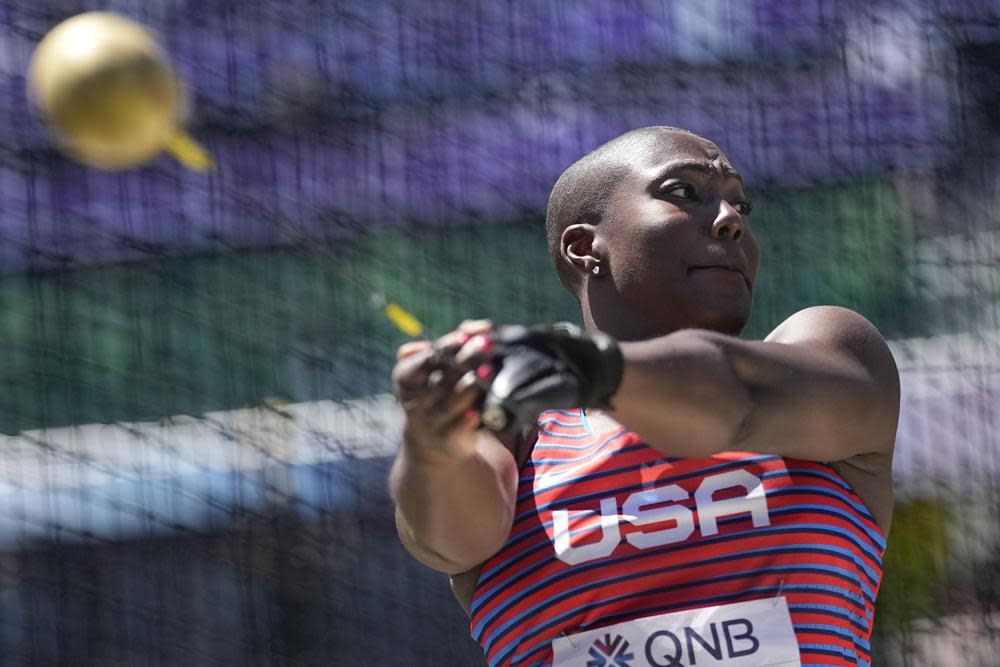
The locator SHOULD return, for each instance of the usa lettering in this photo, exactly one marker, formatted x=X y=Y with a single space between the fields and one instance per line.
x=661 y=505
x=720 y=641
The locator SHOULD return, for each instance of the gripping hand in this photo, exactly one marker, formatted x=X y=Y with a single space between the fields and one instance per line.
x=548 y=367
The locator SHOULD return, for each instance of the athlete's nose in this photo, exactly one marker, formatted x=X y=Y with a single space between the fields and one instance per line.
x=728 y=223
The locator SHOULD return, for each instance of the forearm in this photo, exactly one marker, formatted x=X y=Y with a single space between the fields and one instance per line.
x=697 y=393
x=454 y=512
x=681 y=394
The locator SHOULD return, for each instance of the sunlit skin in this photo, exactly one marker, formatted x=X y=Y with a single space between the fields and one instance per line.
x=681 y=210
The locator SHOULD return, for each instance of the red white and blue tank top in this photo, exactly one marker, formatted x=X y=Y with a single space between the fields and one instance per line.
x=608 y=529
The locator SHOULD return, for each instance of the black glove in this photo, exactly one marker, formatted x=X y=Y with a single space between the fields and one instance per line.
x=547 y=367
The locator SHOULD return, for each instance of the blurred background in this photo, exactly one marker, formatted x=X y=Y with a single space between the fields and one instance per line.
x=195 y=411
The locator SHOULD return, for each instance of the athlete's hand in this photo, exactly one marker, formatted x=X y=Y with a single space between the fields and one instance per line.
x=548 y=367
x=439 y=384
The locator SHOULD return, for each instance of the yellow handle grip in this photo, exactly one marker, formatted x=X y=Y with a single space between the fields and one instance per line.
x=405 y=322
x=189 y=153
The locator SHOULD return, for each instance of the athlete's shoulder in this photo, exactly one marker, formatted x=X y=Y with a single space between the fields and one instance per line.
x=830 y=323
x=841 y=330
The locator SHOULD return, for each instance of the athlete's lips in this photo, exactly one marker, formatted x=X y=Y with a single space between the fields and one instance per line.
x=727 y=267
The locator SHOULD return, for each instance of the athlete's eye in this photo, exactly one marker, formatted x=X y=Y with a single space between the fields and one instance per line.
x=678 y=191
x=743 y=206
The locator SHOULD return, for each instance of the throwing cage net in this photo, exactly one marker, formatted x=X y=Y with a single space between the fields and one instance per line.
x=195 y=368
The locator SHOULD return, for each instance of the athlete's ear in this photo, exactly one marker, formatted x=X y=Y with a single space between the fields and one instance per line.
x=579 y=247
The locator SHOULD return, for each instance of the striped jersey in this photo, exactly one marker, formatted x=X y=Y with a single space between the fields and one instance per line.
x=608 y=529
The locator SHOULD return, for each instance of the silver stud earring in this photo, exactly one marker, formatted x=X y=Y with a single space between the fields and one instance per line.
x=597 y=269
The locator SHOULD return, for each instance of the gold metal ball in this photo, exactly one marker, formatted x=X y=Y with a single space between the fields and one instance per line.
x=106 y=89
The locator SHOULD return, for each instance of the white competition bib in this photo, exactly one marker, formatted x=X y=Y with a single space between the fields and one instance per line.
x=743 y=634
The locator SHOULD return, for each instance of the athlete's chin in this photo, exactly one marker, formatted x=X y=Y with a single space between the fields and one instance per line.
x=725 y=318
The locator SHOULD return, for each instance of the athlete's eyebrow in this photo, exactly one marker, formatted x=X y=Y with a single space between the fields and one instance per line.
x=703 y=166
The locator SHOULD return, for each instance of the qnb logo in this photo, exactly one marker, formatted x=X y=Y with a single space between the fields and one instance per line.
x=660 y=505
x=724 y=641
x=610 y=653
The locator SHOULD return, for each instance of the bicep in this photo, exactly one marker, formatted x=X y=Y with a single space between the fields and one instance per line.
x=420 y=552
x=493 y=464
x=824 y=387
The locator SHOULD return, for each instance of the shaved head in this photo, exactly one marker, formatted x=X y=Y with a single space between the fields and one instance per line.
x=584 y=190
x=651 y=233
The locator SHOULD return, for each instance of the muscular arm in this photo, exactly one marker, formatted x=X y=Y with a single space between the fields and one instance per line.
x=454 y=485
x=453 y=511
x=823 y=386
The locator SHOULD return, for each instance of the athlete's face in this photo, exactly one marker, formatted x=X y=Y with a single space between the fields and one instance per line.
x=678 y=241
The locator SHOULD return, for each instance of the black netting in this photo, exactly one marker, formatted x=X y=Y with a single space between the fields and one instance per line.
x=194 y=376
